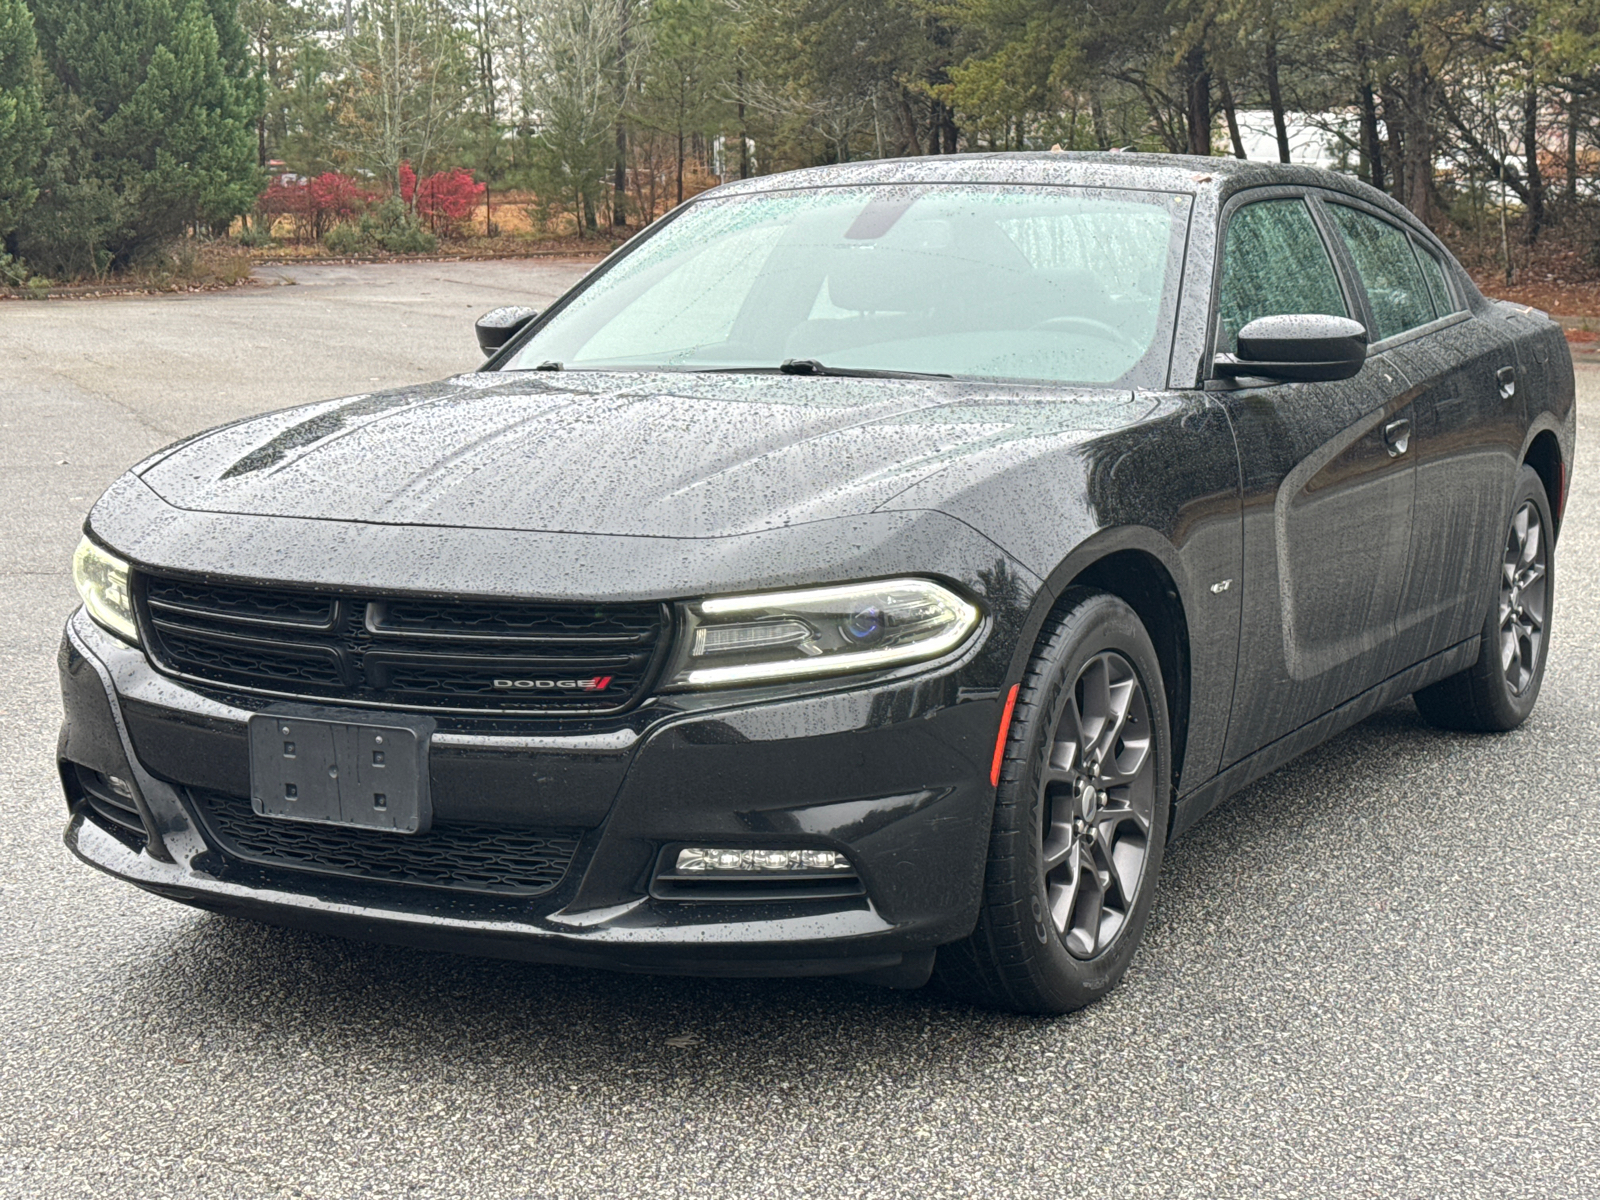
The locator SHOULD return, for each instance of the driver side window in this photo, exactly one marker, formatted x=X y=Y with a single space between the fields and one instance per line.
x=1274 y=263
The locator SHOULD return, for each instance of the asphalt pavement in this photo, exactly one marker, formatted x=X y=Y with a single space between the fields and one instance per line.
x=1376 y=973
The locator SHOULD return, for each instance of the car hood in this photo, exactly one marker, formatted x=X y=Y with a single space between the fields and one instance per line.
x=665 y=455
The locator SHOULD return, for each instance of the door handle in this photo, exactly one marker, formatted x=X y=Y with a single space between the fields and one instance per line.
x=1397 y=436
x=1506 y=377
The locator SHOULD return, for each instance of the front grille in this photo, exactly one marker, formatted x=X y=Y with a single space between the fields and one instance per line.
x=487 y=859
x=404 y=652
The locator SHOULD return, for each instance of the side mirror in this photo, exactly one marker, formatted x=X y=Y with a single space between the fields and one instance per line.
x=498 y=326
x=1303 y=346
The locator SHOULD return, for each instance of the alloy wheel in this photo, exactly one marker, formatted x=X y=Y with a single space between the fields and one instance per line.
x=1099 y=797
x=1523 y=595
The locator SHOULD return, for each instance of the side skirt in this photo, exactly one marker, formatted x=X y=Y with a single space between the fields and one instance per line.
x=1188 y=809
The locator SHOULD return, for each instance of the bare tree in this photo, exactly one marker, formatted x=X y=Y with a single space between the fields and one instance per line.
x=407 y=77
x=571 y=91
x=481 y=16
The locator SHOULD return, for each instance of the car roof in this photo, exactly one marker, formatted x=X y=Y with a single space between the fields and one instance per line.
x=1153 y=172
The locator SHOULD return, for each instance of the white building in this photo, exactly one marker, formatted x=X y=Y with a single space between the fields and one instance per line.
x=1310 y=144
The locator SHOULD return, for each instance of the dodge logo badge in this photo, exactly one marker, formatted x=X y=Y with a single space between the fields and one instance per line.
x=598 y=684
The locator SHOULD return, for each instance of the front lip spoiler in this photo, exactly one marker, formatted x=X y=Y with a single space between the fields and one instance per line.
x=594 y=940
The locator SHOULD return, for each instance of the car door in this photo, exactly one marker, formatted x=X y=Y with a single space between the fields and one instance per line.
x=1328 y=486
x=1467 y=426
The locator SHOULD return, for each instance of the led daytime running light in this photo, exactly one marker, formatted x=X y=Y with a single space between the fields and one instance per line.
x=102 y=582
x=827 y=595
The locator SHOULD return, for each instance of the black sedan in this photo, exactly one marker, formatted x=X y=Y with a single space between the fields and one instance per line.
x=866 y=571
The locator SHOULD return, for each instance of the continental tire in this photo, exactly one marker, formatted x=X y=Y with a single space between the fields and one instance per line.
x=1081 y=818
x=1498 y=691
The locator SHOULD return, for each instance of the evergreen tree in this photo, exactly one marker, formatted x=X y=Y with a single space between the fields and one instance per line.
x=153 y=108
x=571 y=83
x=688 y=75
x=22 y=125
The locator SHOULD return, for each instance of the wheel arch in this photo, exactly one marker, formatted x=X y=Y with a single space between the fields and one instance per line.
x=1139 y=567
x=1544 y=456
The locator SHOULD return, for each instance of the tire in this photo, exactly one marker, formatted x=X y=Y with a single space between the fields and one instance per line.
x=1497 y=692
x=1043 y=944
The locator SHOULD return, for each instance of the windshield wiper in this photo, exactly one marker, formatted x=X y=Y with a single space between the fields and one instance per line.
x=810 y=366
x=789 y=366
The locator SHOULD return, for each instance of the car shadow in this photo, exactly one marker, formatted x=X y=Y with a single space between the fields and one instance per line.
x=210 y=986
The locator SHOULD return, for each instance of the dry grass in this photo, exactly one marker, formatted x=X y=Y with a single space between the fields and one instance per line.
x=186 y=265
x=511 y=226
x=504 y=246
x=191 y=265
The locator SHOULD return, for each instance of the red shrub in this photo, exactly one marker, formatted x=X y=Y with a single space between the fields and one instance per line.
x=336 y=197
x=284 y=197
x=443 y=199
x=317 y=204
x=449 y=196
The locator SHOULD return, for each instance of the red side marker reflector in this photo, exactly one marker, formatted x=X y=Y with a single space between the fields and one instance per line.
x=1000 y=742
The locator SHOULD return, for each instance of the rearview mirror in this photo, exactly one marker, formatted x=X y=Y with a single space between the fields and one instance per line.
x=498 y=326
x=1307 y=347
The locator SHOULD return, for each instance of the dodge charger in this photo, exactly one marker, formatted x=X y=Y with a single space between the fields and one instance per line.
x=865 y=571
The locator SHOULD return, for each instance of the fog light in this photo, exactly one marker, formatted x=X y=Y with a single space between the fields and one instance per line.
x=120 y=787
x=700 y=860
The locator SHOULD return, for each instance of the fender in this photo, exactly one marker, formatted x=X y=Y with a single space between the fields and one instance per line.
x=1098 y=546
x=1094 y=562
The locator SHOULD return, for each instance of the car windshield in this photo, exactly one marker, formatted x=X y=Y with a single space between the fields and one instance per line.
x=1071 y=285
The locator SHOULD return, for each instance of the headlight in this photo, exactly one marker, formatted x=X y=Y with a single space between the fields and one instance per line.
x=819 y=631
x=102 y=581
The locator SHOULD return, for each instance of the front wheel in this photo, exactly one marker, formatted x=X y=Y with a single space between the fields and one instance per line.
x=1080 y=818
x=1498 y=691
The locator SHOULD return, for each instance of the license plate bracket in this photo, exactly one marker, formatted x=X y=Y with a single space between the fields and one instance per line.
x=324 y=769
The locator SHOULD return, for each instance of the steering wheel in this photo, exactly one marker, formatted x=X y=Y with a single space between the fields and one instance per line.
x=1095 y=329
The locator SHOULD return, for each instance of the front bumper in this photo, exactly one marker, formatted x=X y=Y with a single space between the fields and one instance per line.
x=894 y=774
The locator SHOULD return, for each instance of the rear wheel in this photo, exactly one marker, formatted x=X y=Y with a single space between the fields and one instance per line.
x=1080 y=818
x=1498 y=691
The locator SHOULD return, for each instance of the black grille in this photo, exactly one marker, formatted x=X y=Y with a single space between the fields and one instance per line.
x=467 y=858
x=474 y=655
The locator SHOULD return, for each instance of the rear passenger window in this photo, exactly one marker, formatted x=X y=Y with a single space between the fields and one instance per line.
x=1273 y=263
x=1443 y=302
x=1395 y=287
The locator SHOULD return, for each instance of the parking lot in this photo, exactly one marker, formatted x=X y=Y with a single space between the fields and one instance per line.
x=1374 y=974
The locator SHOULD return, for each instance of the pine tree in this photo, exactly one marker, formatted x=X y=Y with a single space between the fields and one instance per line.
x=153 y=108
x=22 y=125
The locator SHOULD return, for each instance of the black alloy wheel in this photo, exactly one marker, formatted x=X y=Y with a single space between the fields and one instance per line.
x=1524 y=589
x=1081 y=818
x=1499 y=690
x=1099 y=798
